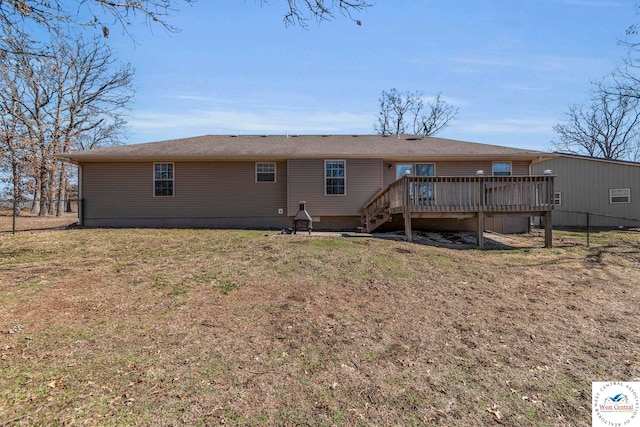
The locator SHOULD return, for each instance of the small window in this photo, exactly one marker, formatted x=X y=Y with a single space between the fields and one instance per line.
x=335 y=177
x=557 y=199
x=163 y=179
x=501 y=168
x=620 y=195
x=266 y=172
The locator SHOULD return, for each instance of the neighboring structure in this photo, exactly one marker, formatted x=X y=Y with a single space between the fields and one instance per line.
x=607 y=190
x=258 y=182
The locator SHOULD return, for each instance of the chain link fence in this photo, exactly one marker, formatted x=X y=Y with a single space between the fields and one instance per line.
x=37 y=215
x=587 y=229
x=597 y=230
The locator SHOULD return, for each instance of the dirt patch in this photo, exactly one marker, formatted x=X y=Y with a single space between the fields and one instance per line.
x=468 y=240
x=248 y=328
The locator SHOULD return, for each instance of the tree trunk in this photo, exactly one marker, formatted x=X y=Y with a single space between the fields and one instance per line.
x=15 y=178
x=37 y=196
x=44 y=191
x=62 y=190
x=51 y=189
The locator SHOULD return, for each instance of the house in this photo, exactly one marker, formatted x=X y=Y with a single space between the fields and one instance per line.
x=593 y=191
x=347 y=181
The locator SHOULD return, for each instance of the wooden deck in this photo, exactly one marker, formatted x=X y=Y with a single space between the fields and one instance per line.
x=462 y=197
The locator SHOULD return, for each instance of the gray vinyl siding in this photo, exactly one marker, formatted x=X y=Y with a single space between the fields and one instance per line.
x=201 y=190
x=388 y=174
x=226 y=194
x=459 y=168
x=456 y=168
x=585 y=184
x=307 y=183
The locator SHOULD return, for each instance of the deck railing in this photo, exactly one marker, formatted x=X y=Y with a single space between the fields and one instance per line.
x=464 y=194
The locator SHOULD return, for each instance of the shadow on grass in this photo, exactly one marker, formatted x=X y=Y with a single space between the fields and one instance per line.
x=467 y=240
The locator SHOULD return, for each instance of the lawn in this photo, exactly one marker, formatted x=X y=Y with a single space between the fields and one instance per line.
x=209 y=327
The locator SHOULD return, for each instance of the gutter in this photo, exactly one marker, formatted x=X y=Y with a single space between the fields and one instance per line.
x=69 y=157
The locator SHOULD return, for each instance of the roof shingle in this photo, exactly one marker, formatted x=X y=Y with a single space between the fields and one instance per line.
x=245 y=147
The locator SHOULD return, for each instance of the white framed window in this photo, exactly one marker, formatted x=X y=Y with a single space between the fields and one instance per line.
x=335 y=177
x=501 y=169
x=163 y=179
x=619 y=195
x=266 y=172
x=557 y=198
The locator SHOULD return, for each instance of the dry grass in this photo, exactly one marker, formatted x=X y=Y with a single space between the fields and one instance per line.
x=202 y=327
x=26 y=221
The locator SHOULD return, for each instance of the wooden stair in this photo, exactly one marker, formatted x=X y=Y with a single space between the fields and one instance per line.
x=376 y=211
x=377 y=221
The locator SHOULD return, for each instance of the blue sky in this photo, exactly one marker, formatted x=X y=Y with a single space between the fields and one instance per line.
x=511 y=66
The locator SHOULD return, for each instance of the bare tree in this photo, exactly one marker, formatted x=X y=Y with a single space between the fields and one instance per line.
x=301 y=11
x=109 y=133
x=635 y=155
x=608 y=127
x=407 y=112
x=76 y=89
x=437 y=117
x=12 y=142
x=24 y=18
x=395 y=107
x=20 y=17
x=626 y=77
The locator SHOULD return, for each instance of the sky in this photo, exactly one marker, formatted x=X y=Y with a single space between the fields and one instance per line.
x=512 y=67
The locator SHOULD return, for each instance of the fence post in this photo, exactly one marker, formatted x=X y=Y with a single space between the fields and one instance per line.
x=588 y=229
x=13 y=215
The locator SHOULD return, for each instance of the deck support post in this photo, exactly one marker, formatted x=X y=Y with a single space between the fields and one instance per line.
x=408 y=233
x=548 y=230
x=366 y=221
x=480 y=232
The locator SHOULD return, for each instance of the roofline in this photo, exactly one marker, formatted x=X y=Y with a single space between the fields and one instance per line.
x=534 y=157
x=596 y=159
x=246 y=153
x=544 y=157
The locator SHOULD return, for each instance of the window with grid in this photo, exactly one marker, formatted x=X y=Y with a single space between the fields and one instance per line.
x=335 y=177
x=266 y=172
x=557 y=198
x=163 y=179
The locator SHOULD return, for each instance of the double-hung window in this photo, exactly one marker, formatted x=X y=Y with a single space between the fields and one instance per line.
x=335 y=176
x=163 y=179
x=266 y=172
